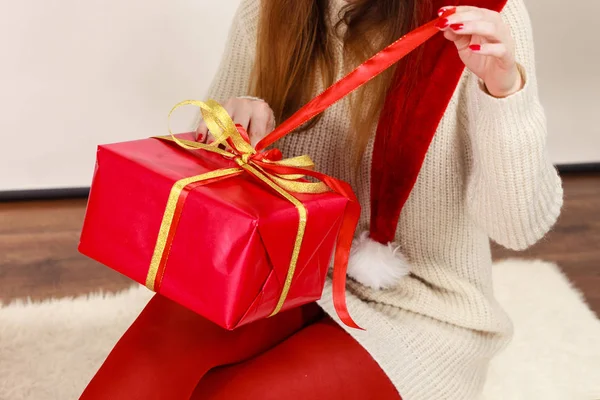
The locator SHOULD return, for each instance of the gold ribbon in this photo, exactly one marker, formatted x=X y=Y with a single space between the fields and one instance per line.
x=225 y=132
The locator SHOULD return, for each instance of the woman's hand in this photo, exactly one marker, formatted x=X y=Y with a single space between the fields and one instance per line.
x=253 y=114
x=485 y=45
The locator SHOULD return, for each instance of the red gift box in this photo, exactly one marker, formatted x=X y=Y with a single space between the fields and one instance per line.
x=247 y=240
x=224 y=247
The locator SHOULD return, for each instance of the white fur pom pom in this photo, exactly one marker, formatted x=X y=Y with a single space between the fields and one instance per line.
x=376 y=265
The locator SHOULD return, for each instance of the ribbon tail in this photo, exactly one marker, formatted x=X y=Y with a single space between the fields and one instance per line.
x=344 y=239
x=342 y=254
x=342 y=247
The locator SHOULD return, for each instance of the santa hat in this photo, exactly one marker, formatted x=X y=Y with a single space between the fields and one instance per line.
x=376 y=265
x=412 y=112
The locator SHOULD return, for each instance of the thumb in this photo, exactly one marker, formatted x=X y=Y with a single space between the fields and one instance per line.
x=201 y=132
x=461 y=41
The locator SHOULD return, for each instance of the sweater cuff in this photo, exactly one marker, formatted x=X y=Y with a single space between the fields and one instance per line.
x=511 y=128
x=511 y=170
x=525 y=96
x=250 y=98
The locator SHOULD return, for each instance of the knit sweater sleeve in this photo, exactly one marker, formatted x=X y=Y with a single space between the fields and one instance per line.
x=233 y=76
x=514 y=192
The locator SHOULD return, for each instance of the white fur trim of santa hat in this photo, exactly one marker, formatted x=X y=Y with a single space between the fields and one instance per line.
x=376 y=265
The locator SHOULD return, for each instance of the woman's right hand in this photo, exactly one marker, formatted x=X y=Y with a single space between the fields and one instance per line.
x=254 y=115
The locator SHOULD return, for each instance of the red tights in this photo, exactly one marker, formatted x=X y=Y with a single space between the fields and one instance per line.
x=170 y=353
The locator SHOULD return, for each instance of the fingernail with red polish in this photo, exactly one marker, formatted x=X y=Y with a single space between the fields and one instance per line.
x=442 y=23
x=475 y=47
x=200 y=137
x=442 y=10
x=457 y=27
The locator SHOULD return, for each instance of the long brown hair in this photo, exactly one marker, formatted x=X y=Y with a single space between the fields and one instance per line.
x=296 y=48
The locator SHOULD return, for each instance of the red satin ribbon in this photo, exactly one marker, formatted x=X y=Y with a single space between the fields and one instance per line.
x=354 y=80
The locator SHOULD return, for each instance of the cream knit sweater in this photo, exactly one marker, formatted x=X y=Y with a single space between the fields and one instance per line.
x=486 y=175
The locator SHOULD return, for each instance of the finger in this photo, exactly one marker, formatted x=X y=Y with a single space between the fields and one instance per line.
x=446 y=11
x=464 y=9
x=468 y=14
x=455 y=9
x=271 y=125
x=461 y=41
x=241 y=114
x=453 y=36
x=232 y=108
x=486 y=29
x=498 y=50
x=201 y=132
x=259 y=124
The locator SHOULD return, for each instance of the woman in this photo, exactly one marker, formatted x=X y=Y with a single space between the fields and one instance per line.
x=441 y=157
x=485 y=173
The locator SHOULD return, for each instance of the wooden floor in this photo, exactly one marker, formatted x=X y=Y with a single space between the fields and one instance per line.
x=39 y=258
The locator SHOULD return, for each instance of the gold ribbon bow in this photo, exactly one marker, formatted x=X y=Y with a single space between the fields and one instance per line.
x=248 y=159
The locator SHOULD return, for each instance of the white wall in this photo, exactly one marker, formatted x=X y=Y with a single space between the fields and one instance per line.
x=76 y=73
x=568 y=58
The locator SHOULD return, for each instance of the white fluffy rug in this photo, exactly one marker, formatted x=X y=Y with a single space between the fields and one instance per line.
x=49 y=351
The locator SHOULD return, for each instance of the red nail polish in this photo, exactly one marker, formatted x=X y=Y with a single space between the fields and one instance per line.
x=457 y=27
x=475 y=47
x=201 y=137
x=443 y=10
x=442 y=23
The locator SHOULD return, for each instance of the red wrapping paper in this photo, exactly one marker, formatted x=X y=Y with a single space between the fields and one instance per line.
x=231 y=250
x=230 y=253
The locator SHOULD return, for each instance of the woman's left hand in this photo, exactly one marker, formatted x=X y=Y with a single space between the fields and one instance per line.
x=485 y=45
